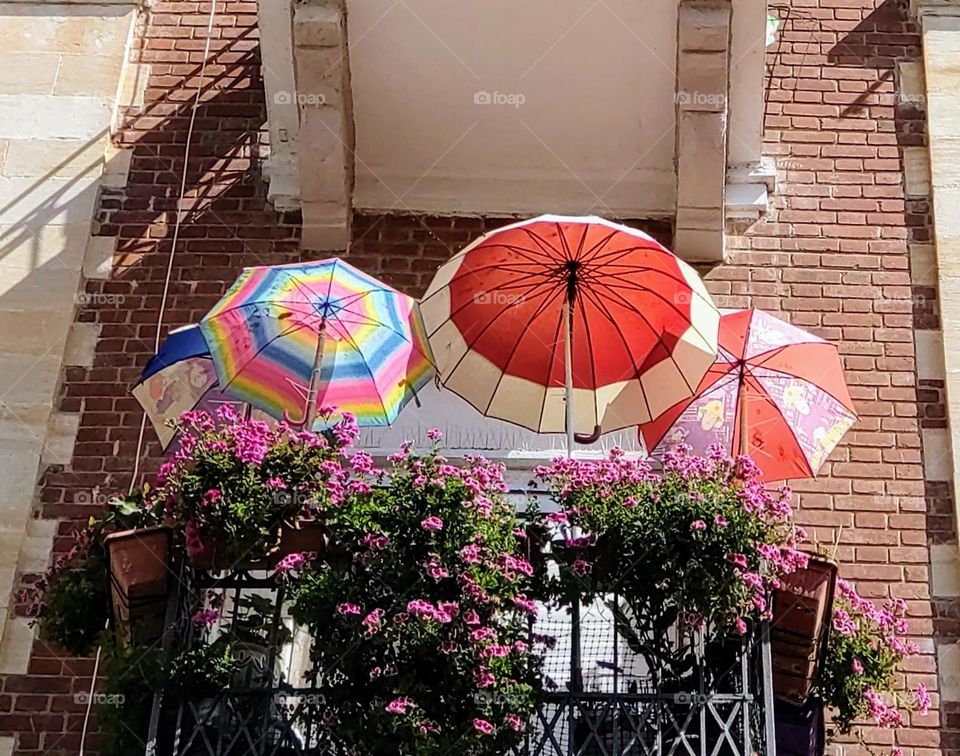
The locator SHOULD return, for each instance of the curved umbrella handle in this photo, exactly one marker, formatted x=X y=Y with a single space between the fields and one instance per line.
x=295 y=423
x=587 y=438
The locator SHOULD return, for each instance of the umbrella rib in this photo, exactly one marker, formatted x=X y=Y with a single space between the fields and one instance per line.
x=769 y=400
x=613 y=289
x=591 y=254
x=541 y=271
x=583 y=240
x=567 y=255
x=540 y=309
x=546 y=247
x=769 y=355
x=780 y=375
x=373 y=380
x=489 y=324
x=648 y=246
x=598 y=303
x=719 y=383
x=296 y=327
x=461 y=308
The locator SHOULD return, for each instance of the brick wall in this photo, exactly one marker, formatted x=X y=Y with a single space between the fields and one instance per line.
x=833 y=257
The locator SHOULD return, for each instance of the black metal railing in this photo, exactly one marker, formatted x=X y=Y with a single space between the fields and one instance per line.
x=605 y=693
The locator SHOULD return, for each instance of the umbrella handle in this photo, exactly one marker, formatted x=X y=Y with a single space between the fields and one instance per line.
x=587 y=438
x=290 y=421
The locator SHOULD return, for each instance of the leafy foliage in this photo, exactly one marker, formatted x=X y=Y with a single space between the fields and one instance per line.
x=70 y=602
x=420 y=624
x=232 y=483
x=866 y=647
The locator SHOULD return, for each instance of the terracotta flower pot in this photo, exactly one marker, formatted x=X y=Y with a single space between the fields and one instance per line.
x=140 y=581
x=802 y=609
x=304 y=535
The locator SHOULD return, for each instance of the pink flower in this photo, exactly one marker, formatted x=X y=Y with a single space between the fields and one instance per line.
x=923 y=699
x=483 y=678
x=483 y=726
x=698 y=525
x=581 y=568
x=376 y=542
x=741 y=626
x=432 y=523
x=857 y=667
x=434 y=434
x=720 y=521
x=471 y=618
x=398 y=706
x=206 y=617
x=372 y=621
x=482 y=634
x=347 y=609
x=295 y=561
x=514 y=723
x=470 y=554
x=525 y=604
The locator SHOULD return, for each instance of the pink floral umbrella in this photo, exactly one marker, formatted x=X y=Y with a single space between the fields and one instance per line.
x=776 y=393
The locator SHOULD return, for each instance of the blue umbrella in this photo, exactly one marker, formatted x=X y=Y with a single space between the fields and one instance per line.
x=180 y=378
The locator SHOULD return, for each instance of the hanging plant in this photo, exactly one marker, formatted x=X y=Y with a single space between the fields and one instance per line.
x=71 y=601
x=233 y=483
x=867 y=646
x=704 y=540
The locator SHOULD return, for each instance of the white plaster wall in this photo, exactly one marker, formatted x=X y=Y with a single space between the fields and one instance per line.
x=60 y=71
x=594 y=130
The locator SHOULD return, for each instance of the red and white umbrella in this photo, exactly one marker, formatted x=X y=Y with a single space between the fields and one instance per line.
x=570 y=324
x=776 y=393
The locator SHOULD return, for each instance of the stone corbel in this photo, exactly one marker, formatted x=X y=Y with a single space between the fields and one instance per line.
x=321 y=65
x=751 y=178
x=702 y=95
x=283 y=114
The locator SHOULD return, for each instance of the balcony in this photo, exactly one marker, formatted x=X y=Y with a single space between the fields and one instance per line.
x=607 y=692
x=626 y=110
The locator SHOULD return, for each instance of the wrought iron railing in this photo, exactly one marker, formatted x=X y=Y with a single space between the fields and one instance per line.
x=605 y=695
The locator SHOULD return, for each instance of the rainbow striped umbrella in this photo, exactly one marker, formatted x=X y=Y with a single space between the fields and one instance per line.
x=289 y=339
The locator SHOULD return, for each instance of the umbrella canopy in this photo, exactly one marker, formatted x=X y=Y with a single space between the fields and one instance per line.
x=179 y=378
x=776 y=393
x=570 y=324
x=290 y=338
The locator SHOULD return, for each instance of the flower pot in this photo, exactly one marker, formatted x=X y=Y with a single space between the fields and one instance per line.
x=802 y=609
x=799 y=729
x=214 y=558
x=140 y=582
x=303 y=535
